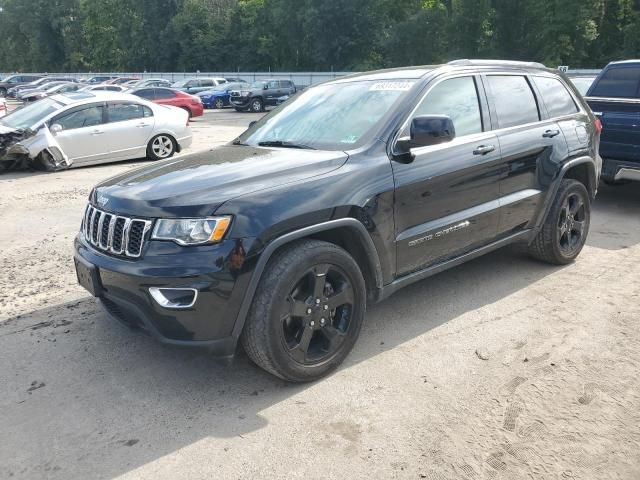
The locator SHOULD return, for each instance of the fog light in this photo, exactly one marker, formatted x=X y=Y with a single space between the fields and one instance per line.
x=174 y=297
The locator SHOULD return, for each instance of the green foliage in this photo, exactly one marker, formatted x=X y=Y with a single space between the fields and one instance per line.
x=230 y=35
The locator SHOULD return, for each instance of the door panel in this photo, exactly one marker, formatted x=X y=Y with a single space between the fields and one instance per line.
x=446 y=201
x=82 y=137
x=128 y=130
x=527 y=153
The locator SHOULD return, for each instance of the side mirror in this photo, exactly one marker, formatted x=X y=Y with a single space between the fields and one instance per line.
x=429 y=130
x=265 y=87
x=55 y=128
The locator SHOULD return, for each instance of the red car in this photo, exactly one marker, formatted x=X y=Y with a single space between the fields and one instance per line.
x=169 y=96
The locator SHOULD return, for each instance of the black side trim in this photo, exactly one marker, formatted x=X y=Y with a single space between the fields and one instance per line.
x=401 y=282
x=372 y=255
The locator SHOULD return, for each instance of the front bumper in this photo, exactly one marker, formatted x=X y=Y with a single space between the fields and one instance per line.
x=617 y=170
x=240 y=102
x=217 y=272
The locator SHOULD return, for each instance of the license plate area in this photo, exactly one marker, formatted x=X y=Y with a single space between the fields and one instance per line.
x=88 y=277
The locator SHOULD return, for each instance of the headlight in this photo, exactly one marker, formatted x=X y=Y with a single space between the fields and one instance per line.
x=191 y=231
x=244 y=93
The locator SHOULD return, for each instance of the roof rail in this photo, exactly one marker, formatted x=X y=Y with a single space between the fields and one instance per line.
x=506 y=63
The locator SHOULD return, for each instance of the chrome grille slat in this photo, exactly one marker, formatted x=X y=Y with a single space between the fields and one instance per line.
x=98 y=224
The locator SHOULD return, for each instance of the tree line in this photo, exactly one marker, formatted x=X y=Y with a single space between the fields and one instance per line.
x=309 y=35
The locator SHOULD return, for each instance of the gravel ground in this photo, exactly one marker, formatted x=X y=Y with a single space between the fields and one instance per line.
x=503 y=368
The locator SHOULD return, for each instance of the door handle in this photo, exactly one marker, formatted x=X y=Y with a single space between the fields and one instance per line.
x=97 y=132
x=484 y=149
x=142 y=125
x=551 y=133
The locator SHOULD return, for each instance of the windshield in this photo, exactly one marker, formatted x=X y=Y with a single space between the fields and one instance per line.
x=329 y=117
x=30 y=115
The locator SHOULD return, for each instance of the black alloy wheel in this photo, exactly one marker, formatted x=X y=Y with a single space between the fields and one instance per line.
x=307 y=312
x=316 y=315
x=572 y=224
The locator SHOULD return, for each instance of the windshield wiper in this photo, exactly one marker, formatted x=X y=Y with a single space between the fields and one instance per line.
x=284 y=144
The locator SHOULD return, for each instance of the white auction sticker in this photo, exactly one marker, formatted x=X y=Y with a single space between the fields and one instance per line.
x=391 y=86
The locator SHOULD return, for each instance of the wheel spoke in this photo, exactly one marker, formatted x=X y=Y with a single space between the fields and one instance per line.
x=299 y=352
x=319 y=280
x=298 y=308
x=344 y=296
x=577 y=205
x=569 y=238
x=334 y=336
x=579 y=227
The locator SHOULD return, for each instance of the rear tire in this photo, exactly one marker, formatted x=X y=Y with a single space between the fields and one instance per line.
x=3 y=92
x=307 y=312
x=566 y=227
x=161 y=147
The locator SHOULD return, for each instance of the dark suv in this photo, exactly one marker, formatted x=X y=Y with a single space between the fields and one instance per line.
x=361 y=186
x=261 y=94
x=14 y=81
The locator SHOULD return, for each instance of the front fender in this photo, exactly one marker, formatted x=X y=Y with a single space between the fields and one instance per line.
x=274 y=245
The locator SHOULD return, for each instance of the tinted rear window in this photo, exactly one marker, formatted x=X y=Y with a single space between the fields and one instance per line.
x=556 y=97
x=514 y=100
x=617 y=82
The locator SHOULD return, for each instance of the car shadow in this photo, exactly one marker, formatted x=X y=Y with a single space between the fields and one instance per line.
x=84 y=397
x=616 y=217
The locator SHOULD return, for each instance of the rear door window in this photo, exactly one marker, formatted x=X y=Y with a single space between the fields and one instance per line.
x=556 y=97
x=121 y=112
x=147 y=93
x=458 y=99
x=514 y=101
x=164 y=93
x=274 y=84
x=617 y=82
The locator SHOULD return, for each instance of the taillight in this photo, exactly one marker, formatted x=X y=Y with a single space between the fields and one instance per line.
x=598 y=125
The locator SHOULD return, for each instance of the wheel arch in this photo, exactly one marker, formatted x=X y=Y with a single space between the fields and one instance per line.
x=347 y=233
x=581 y=169
x=584 y=171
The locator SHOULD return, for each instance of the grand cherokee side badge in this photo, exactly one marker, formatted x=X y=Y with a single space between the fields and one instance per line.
x=441 y=233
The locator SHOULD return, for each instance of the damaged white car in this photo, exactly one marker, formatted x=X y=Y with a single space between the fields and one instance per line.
x=86 y=128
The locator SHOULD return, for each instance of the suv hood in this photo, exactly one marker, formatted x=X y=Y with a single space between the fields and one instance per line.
x=196 y=185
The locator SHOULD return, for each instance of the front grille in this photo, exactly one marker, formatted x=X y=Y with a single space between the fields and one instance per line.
x=114 y=234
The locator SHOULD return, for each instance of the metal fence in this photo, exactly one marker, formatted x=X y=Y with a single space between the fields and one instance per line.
x=299 y=78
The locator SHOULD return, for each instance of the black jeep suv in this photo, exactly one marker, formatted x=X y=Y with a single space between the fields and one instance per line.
x=261 y=94
x=352 y=190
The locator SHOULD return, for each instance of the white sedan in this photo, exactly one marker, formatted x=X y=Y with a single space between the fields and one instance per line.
x=86 y=128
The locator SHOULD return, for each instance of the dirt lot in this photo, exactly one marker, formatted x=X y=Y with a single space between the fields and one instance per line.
x=557 y=397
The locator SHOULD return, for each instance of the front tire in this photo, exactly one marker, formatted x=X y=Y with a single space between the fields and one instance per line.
x=160 y=147
x=257 y=105
x=307 y=311
x=565 y=229
x=219 y=104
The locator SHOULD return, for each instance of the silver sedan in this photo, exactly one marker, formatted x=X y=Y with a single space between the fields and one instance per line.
x=87 y=128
